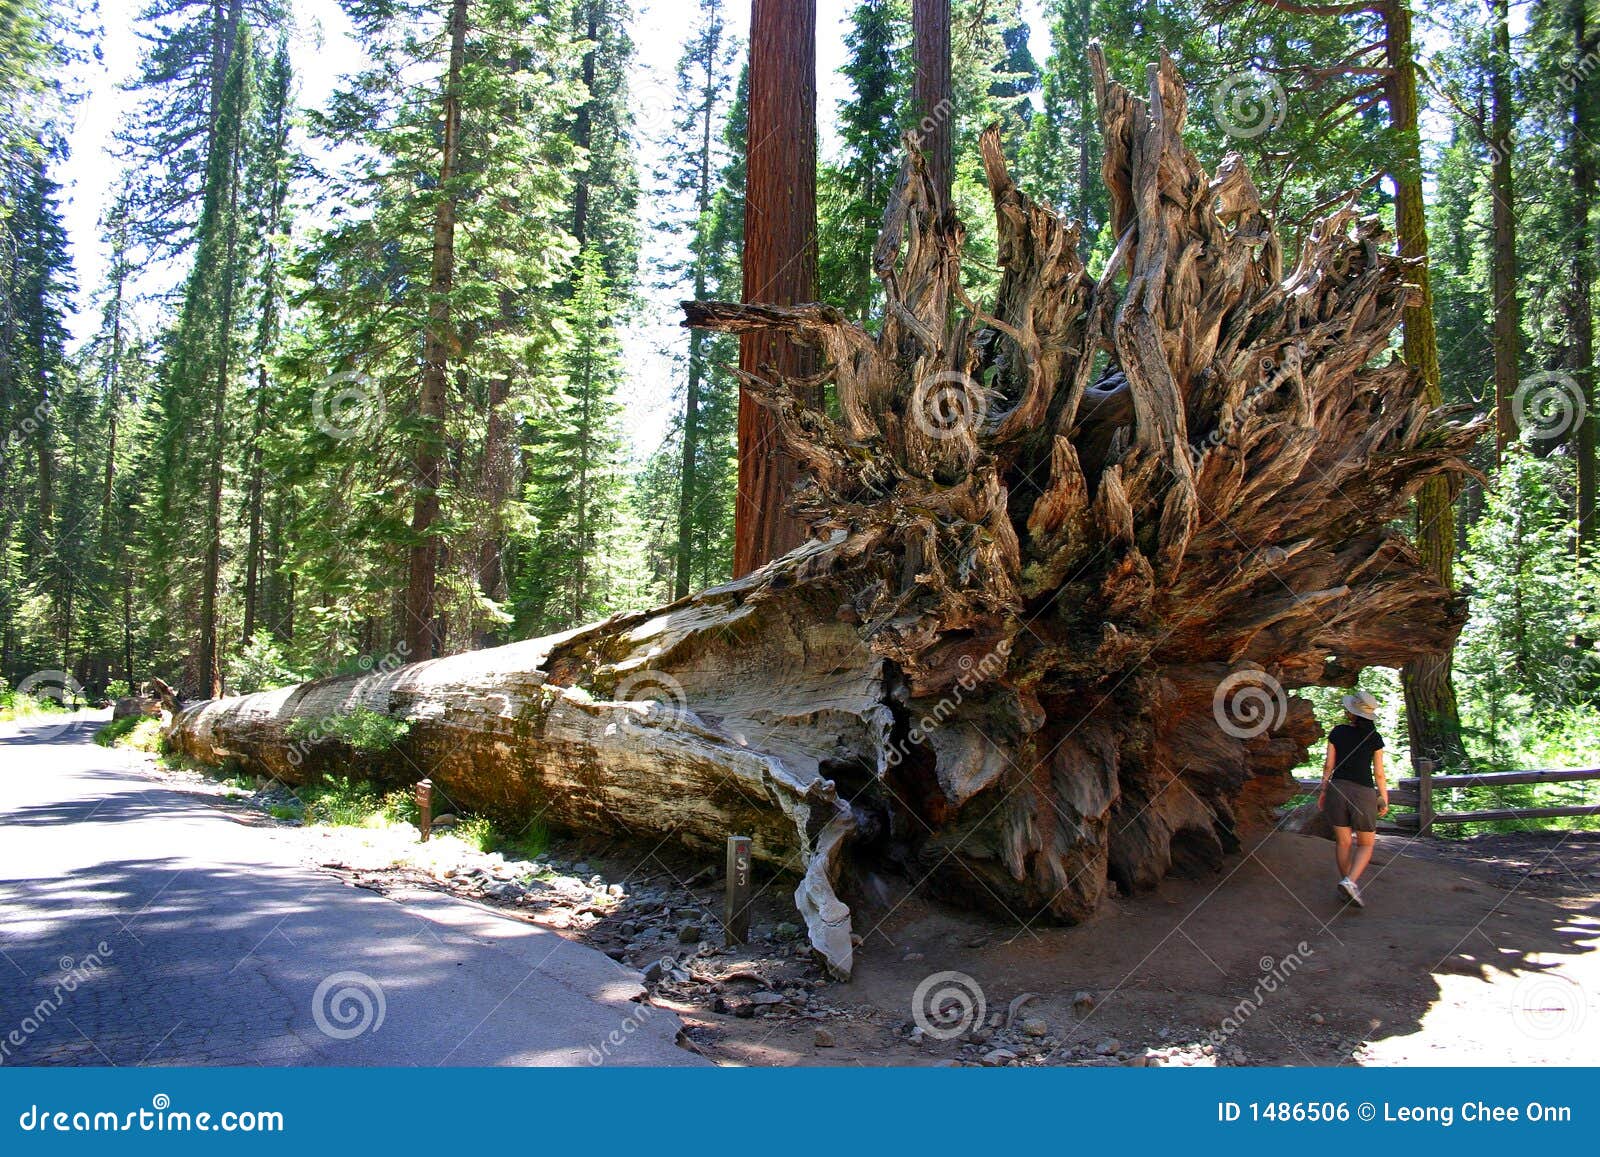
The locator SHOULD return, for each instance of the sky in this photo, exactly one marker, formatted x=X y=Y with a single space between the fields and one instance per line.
x=324 y=50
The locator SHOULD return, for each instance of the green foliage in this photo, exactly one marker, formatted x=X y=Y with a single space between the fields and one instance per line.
x=363 y=730
x=340 y=802
x=477 y=832
x=138 y=732
x=260 y=665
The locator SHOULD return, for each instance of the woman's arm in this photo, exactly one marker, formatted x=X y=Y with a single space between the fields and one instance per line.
x=1383 y=785
x=1327 y=770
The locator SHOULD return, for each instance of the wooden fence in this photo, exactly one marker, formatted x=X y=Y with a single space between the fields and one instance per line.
x=1415 y=793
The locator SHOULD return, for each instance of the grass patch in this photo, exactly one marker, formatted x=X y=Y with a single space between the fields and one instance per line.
x=138 y=732
x=341 y=803
x=477 y=832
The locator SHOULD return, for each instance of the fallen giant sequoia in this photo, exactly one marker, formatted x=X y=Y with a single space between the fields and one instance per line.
x=1070 y=555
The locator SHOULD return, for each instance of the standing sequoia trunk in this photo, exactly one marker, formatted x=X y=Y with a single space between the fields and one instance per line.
x=780 y=261
x=1043 y=638
x=422 y=578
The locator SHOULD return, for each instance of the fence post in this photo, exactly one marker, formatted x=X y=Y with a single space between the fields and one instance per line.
x=1425 y=770
x=736 y=902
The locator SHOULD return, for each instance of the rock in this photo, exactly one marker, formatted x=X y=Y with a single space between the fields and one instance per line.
x=996 y=1057
x=917 y=1035
x=1035 y=1026
x=580 y=869
x=786 y=930
x=996 y=1020
x=1083 y=1003
x=980 y=1034
x=686 y=913
x=911 y=957
x=1318 y=1018
x=766 y=998
x=1138 y=1062
x=447 y=820
x=1108 y=1048
x=822 y=1038
x=690 y=934
x=654 y=971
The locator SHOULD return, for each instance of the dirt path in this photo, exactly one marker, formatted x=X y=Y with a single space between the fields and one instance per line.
x=1468 y=952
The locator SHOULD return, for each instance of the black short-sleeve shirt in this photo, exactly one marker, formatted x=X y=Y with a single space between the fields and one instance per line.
x=1353 y=749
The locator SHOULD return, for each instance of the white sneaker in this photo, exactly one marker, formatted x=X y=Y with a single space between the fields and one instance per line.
x=1352 y=893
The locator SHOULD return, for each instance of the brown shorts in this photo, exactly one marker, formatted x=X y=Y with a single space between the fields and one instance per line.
x=1351 y=805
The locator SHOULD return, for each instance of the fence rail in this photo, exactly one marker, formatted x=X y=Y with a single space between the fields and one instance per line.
x=1416 y=792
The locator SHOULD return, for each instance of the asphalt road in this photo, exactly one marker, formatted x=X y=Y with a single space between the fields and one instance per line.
x=139 y=925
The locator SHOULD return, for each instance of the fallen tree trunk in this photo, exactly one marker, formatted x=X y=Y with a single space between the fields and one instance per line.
x=1072 y=552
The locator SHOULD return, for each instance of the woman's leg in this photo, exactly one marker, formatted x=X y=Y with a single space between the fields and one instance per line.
x=1363 y=854
x=1341 y=843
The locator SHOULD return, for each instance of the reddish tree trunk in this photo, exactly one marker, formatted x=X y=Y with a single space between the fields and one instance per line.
x=930 y=34
x=780 y=261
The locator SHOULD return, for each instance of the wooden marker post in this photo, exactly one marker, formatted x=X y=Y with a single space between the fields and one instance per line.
x=425 y=806
x=736 y=904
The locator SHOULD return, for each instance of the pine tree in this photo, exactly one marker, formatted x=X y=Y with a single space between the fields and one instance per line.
x=855 y=190
x=576 y=483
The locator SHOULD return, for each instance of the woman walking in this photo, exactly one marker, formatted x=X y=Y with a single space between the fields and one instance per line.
x=1354 y=792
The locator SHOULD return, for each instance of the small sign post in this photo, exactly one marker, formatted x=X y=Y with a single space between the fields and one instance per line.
x=425 y=807
x=736 y=904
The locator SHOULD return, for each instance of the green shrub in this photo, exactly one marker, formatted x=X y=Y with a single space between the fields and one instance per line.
x=117 y=689
x=363 y=730
x=139 y=732
x=400 y=806
x=477 y=832
x=340 y=802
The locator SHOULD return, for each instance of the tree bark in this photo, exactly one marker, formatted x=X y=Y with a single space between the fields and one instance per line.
x=1432 y=714
x=780 y=261
x=1043 y=642
x=420 y=607
x=1507 y=305
x=930 y=38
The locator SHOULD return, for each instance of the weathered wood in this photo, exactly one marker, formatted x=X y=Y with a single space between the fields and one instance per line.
x=1072 y=552
x=1504 y=778
x=1492 y=815
x=736 y=895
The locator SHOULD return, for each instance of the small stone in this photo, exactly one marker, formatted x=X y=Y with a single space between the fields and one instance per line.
x=766 y=998
x=997 y=1057
x=1082 y=1003
x=785 y=930
x=911 y=957
x=1108 y=1048
x=448 y=820
x=822 y=1038
x=580 y=869
x=980 y=1034
x=995 y=1020
x=1318 y=1018
x=654 y=971
x=947 y=1063
x=1035 y=1026
x=686 y=913
x=917 y=1035
x=1138 y=1062
x=689 y=934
